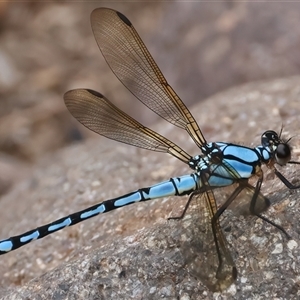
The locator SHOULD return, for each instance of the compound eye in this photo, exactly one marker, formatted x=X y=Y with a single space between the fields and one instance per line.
x=283 y=154
x=269 y=138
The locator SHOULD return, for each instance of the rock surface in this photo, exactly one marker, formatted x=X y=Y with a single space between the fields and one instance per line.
x=134 y=252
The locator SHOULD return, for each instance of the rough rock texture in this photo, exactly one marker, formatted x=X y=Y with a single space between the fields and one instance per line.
x=134 y=252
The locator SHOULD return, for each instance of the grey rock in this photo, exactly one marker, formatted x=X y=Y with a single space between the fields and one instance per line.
x=135 y=252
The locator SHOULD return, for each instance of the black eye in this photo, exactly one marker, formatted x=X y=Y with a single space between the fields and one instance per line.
x=283 y=154
x=269 y=138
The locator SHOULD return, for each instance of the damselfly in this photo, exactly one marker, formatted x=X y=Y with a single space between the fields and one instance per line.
x=219 y=165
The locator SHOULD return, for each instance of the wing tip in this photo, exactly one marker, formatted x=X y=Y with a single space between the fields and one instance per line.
x=95 y=93
x=95 y=14
x=124 y=19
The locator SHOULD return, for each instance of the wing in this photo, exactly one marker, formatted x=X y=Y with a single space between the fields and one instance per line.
x=98 y=114
x=131 y=62
x=207 y=255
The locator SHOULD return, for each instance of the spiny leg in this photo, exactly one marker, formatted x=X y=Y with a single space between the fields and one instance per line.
x=256 y=194
x=216 y=225
x=185 y=207
x=286 y=182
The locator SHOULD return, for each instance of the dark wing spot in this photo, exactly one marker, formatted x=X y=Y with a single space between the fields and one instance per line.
x=95 y=93
x=124 y=19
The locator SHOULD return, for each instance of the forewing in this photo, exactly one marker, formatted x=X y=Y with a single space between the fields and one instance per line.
x=131 y=62
x=98 y=114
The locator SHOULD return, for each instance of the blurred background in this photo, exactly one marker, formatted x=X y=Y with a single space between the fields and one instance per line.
x=202 y=48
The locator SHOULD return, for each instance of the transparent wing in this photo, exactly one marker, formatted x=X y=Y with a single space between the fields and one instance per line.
x=207 y=255
x=98 y=114
x=131 y=62
x=206 y=252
